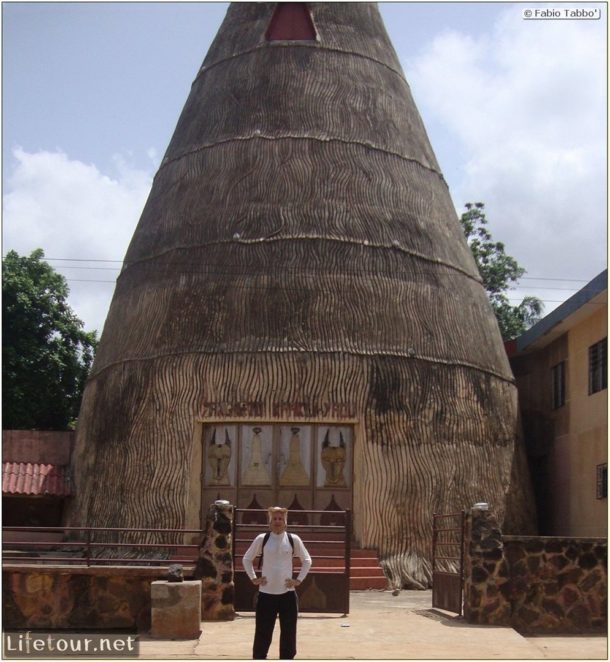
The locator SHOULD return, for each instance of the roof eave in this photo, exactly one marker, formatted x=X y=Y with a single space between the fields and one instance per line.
x=564 y=316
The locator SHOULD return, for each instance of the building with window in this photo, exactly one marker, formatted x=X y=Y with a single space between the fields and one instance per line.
x=561 y=368
x=36 y=480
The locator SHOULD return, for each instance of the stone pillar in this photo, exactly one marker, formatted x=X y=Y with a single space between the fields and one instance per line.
x=486 y=571
x=215 y=565
x=175 y=609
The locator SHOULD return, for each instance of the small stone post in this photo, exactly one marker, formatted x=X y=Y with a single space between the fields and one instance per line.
x=486 y=572
x=215 y=565
x=175 y=609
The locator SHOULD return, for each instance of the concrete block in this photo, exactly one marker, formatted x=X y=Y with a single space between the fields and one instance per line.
x=175 y=609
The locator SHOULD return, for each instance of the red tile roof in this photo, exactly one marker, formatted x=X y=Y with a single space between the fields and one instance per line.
x=27 y=478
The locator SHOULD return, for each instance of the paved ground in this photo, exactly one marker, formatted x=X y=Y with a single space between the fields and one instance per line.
x=381 y=626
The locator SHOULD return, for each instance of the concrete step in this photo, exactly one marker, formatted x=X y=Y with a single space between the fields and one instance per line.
x=322 y=547
x=370 y=565
x=317 y=565
x=371 y=561
x=364 y=583
x=318 y=562
x=359 y=571
x=307 y=537
x=364 y=553
x=365 y=571
x=184 y=554
x=330 y=564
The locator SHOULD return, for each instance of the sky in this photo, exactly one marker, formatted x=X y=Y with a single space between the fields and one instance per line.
x=515 y=109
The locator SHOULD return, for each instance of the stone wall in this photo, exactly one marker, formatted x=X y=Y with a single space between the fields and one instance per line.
x=215 y=565
x=534 y=584
x=558 y=584
x=117 y=597
x=56 y=598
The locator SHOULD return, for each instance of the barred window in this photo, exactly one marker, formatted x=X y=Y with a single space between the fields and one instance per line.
x=602 y=481
x=559 y=385
x=598 y=366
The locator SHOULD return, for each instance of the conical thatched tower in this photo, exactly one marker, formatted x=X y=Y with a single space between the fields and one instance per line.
x=299 y=319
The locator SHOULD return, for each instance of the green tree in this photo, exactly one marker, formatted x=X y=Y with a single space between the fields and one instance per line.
x=46 y=353
x=499 y=272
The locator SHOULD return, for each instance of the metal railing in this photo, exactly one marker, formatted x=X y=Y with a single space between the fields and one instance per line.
x=86 y=545
x=306 y=532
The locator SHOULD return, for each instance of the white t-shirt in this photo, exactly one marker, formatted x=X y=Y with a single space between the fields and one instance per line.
x=277 y=561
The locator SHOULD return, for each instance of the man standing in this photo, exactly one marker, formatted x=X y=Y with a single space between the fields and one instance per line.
x=276 y=586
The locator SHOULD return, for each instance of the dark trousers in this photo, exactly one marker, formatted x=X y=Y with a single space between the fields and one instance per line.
x=267 y=609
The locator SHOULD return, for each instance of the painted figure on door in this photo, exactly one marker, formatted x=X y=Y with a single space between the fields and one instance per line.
x=256 y=473
x=294 y=473
x=333 y=460
x=219 y=456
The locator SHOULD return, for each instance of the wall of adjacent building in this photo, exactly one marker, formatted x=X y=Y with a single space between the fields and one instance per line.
x=584 y=444
x=46 y=446
x=565 y=445
x=36 y=479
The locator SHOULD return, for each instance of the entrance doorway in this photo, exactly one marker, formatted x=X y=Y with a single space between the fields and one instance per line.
x=299 y=466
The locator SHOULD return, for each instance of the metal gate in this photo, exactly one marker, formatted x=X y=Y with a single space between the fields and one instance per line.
x=327 y=536
x=448 y=561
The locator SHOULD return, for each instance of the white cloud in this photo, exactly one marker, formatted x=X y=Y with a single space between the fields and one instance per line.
x=72 y=210
x=527 y=105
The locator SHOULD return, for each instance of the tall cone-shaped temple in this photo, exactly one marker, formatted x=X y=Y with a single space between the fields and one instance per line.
x=299 y=319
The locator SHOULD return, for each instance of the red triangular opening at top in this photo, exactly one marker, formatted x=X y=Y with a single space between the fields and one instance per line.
x=291 y=22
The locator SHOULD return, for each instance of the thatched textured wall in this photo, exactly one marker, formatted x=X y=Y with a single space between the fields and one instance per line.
x=300 y=244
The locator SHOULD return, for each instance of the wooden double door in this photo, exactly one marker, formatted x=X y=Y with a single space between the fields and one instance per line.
x=294 y=465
